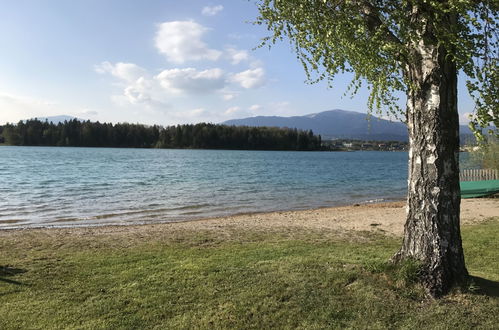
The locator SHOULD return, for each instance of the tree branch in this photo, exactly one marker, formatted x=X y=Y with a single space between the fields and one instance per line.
x=374 y=22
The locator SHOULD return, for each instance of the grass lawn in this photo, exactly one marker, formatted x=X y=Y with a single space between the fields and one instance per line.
x=253 y=279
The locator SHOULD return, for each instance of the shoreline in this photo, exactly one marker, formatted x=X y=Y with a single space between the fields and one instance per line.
x=383 y=217
x=370 y=202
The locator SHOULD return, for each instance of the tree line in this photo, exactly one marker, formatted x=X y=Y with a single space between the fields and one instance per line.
x=75 y=133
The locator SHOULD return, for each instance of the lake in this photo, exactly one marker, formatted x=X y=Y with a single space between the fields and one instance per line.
x=50 y=186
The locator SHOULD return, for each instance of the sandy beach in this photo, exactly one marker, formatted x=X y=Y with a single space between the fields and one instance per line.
x=386 y=218
x=261 y=270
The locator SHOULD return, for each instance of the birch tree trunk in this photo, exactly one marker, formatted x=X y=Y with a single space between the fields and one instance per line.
x=432 y=230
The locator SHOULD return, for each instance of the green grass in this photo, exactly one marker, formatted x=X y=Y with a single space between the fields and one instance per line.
x=291 y=279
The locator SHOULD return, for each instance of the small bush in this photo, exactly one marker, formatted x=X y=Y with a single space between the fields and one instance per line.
x=487 y=155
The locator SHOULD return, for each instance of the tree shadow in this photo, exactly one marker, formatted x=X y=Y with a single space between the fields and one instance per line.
x=486 y=287
x=6 y=271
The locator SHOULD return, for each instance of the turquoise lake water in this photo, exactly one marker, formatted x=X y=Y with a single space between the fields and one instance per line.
x=44 y=186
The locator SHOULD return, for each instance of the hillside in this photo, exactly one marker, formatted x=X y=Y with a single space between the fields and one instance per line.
x=337 y=124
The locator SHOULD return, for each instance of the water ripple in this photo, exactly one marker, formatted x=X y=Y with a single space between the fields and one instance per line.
x=95 y=186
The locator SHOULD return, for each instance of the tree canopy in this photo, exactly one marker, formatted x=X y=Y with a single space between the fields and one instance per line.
x=370 y=39
x=75 y=133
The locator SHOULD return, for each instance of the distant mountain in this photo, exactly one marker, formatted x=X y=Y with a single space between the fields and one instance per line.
x=58 y=119
x=337 y=124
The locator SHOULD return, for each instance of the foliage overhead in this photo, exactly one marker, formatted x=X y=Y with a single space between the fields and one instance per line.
x=373 y=40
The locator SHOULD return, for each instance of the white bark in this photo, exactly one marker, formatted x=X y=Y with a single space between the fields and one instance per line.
x=432 y=231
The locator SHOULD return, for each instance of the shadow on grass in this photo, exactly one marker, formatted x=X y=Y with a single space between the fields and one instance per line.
x=486 y=287
x=6 y=271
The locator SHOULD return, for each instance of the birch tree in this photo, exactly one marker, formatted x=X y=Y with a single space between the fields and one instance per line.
x=418 y=48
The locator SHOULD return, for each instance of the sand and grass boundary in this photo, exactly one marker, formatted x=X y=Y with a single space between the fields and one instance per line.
x=322 y=268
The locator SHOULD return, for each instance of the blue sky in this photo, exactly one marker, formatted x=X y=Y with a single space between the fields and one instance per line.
x=153 y=62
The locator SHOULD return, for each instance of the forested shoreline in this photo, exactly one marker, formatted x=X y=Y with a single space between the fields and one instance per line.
x=75 y=133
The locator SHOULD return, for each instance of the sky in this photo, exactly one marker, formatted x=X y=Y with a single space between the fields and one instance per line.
x=155 y=62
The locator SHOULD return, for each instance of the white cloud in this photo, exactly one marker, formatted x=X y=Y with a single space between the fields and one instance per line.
x=139 y=88
x=150 y=92
x=139 y=92
x=232 y=110
x=126 y=71
x=236 y=56
x=252 y=78
x=190 y=80
x=180 y=41
x=196 y=112
x=212 y=11
x=255 y=64
x=255 y=107
x=228 y=97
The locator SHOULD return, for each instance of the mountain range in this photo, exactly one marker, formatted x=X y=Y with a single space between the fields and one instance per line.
x=337 y=124
x=58 y=119
x=331 y=124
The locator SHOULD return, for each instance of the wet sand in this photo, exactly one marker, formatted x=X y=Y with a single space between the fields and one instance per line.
x=386 y=218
